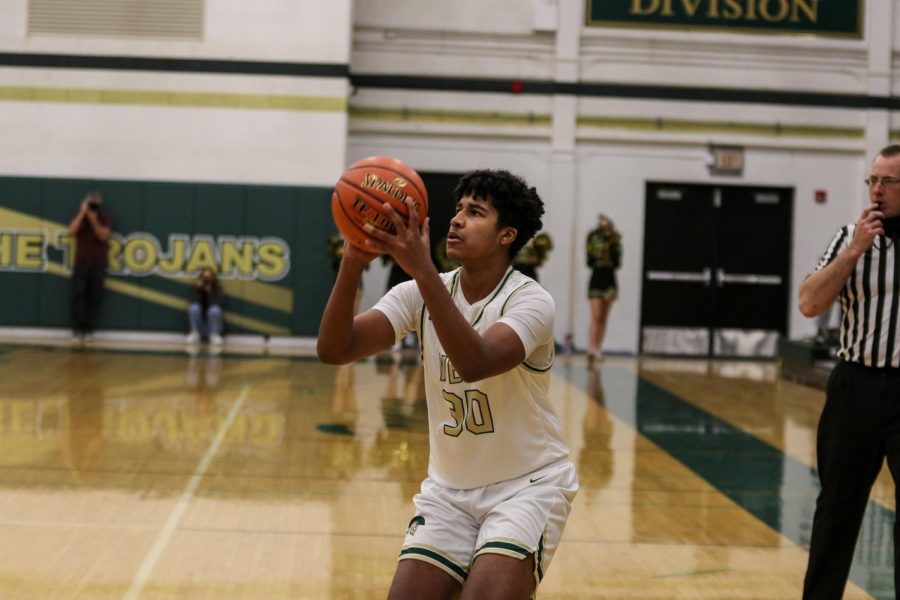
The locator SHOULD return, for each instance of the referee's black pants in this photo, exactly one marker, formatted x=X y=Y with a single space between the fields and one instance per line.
x=859 y=427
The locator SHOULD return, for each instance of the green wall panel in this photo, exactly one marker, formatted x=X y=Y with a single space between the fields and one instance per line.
x=272 y=236
x=19 y=304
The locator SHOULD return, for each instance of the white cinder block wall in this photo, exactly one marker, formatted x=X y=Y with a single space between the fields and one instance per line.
x=163 y=131
x=582 y=167
x=586 y=153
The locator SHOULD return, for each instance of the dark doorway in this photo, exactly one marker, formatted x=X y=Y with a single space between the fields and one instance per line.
x=716 y=269
x=441 y=208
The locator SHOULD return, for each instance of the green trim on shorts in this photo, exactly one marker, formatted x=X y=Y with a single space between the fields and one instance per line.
x=507 y=546
x=413 y=552
x=607 y=294
x=539 y=559
x=535 y=369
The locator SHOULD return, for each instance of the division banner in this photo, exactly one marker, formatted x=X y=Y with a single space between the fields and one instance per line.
x=833 y=18
x=267 y=243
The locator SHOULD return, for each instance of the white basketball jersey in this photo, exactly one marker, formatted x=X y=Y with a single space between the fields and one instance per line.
x=499 y=428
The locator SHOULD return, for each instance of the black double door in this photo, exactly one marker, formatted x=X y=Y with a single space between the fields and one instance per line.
x=716 y=269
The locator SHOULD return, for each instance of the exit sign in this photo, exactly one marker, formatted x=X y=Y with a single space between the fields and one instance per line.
x=726 y=160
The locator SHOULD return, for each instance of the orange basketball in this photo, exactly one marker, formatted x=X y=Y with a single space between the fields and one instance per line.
x=365 y=186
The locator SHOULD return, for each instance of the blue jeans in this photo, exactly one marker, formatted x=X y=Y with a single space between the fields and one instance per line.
x=205 y=324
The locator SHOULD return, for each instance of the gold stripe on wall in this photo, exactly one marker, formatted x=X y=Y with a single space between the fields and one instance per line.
x=451 y=116
x=269 y=295
x=635 y=124
x=163 y=299
x=191 y=99
x=135 y=291
x=695 y=126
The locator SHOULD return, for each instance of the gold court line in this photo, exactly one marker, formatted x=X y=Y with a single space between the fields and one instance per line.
x=181 y=505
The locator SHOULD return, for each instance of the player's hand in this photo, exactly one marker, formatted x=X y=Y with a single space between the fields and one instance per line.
x=410 y=245
x=351 y=252
x=868 y=227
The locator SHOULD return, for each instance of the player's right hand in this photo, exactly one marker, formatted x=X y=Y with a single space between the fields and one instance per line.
x=868 y=227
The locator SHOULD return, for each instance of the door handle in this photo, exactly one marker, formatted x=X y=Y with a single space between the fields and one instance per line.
x=703 y=276
x=746 y=278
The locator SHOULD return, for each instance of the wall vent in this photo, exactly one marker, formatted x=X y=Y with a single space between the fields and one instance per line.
x=167 y=19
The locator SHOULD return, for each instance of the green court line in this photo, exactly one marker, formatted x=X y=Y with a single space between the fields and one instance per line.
x=776 y=488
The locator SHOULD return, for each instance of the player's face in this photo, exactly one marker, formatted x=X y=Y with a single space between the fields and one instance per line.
x=474 y=231
x=886 y=196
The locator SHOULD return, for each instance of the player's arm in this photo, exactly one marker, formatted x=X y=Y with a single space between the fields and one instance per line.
x=474 y=356
x=100 y=230
x=75 y=223
x=820 y=289
x=343 y=337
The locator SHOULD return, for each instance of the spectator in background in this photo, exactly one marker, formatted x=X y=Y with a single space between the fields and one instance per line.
x=533 y=255
x=604 y=256
x=91 y=226
x=205 y=309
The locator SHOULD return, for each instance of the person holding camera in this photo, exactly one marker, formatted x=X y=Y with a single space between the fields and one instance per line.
x=91 y=227
x=205 y=309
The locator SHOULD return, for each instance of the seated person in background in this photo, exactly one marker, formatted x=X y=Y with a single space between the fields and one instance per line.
x=205 y=309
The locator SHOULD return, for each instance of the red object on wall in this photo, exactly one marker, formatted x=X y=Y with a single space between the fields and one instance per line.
x=516 y=87
x=821 y=196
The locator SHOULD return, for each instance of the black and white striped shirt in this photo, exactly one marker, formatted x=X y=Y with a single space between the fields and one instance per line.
x=869 y=302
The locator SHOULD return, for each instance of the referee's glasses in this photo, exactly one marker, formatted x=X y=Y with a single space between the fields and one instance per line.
x=885 y=181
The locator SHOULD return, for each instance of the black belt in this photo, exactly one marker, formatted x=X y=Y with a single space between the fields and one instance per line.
x=887 y=372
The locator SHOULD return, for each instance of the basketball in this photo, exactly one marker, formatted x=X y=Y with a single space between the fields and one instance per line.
x=362 y=190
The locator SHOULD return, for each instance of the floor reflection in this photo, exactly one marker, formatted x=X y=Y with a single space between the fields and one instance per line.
x=697 y=478
x=755 y=473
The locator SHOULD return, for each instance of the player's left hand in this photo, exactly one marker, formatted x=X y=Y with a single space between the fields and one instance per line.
x=352 y=252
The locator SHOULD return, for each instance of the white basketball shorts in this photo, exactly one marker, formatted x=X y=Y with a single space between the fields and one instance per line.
x=517 y=518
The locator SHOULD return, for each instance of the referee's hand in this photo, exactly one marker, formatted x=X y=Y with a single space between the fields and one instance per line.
x=868 y=228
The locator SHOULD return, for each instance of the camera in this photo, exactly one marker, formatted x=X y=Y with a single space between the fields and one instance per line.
x=94 y=206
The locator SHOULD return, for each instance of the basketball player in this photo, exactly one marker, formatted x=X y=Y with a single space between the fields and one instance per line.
x=500 y=484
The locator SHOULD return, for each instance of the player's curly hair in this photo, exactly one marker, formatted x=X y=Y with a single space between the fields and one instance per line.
x=518 y=206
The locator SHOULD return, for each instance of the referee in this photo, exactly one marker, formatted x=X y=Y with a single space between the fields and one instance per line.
x=860 y=423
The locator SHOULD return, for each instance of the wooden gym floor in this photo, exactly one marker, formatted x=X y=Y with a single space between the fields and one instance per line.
x=132 y=474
